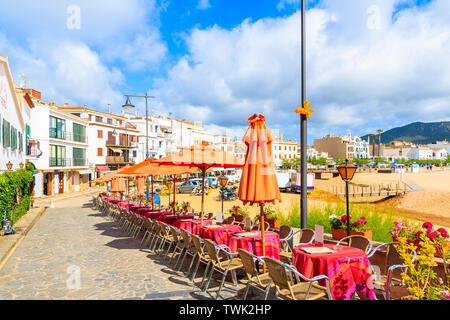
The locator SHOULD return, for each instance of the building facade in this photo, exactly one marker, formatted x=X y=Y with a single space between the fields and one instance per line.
x=348 y=147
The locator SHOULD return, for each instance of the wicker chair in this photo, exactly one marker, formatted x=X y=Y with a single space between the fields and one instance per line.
x=255 y=279
x=229 y=220
x=281 y=275
x=189 y=249
x=257 y=226
x=305 y=236
x=359 y=242
x=178 y=242
x=167 y=237
x=394 y=266
x=231 y=264
x=210 y=216
x=202 y=257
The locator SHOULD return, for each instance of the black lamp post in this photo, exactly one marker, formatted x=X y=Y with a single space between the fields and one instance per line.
x=223 y=182
x=347 y=172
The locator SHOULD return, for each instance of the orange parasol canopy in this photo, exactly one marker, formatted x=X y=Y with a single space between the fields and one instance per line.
x=130 y=169
x=258 y=181
x=204 y=157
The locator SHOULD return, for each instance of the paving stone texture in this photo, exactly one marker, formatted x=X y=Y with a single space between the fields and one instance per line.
x=74 y=252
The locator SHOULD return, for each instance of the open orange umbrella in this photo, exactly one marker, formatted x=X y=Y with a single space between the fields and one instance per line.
x=258 y=181
x=204 y=157
x=150 y=168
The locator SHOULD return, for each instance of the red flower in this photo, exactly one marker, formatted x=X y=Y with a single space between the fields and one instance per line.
x=428 y=226
x=432 y=235
x=418 y=234
x=443 y=232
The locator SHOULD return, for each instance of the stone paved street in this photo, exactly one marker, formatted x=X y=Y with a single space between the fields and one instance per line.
x=72 y=236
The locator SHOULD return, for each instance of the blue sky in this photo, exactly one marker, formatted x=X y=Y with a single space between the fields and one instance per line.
x=370 y=63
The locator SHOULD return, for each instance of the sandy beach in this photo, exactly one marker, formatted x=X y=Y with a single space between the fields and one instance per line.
x=431 y=201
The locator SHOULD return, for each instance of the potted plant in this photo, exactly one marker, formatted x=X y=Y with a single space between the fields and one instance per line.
x=186 y=206
x=413 y=235
x=174 y=205
x=272 y=218
x=238 y=213
x=358 y=227
x=421 y=280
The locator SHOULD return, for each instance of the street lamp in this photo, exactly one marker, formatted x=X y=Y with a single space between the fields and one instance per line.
x=130 y=106
x=347 y=172
x=223 y=182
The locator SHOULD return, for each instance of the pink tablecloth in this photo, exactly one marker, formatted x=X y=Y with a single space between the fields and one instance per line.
x=348 y=269
x=219 y=235
x=157 y=215
x=146 y=210
x=170 y=219
x=253 y=244
x=192 y=226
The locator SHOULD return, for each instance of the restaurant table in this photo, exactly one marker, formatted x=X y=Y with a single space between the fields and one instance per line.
x=170 y=218
x=157 y=215
x=348 y=270
x=146 y=210
x=253 y=243
x=220 y=234
x=191 y=225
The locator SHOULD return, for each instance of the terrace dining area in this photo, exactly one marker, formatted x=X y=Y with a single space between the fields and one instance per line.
x=217 y=253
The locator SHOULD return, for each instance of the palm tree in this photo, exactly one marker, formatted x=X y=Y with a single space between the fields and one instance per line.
x=373 y=137
x=379 y=131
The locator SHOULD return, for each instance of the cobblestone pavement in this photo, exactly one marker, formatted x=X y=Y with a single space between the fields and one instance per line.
x=73 y=239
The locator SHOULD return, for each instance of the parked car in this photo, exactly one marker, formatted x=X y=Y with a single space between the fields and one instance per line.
x=188 y=186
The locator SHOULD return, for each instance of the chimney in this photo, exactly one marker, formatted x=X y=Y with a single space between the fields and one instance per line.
x=66 y=104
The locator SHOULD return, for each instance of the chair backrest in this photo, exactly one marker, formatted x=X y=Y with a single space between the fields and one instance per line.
x=392 y=256
x=210 y=215
x=212 y=251
x=278 y=274
x=163 y=229
x=306 y=235
x=249 y=264
x=186 y=239
x=228 y=220
x=174 y=233
x=248 y=223
x=285 y=232
x=257 y=226
x=360 y=242
x=198 y=245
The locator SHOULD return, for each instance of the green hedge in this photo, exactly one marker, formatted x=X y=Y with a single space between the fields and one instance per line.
x=20 y=180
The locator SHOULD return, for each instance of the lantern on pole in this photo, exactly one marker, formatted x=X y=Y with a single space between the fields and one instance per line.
x=223 y=182
x=347 y=172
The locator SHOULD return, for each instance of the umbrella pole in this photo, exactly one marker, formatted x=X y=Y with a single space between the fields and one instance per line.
x=262 y=234
x=153 y=199
x=203 y=192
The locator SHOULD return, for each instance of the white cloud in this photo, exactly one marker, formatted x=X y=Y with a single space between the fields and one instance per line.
x=203 y=4
x=357 y=75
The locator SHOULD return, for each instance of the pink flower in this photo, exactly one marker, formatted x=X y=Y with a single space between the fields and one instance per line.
x=428 y=226
x=399 y=224
x=443 y=232
x=418 y=234
x=358 y=222
x=394 y=233
x=432 y=235
x=363 y=218
x=344 y=218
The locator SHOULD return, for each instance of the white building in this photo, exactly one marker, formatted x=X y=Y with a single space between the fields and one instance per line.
x=440 y=145
x=284 y=149
x=12 y=123
x=113 y=139
x=420 y=153
x=439 y=153
x=62 y=161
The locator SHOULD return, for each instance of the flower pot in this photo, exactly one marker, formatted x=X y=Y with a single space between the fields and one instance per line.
x=274 y=223
x=238 y=218
x=338 y=234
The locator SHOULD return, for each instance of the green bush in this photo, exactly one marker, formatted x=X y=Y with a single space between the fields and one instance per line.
x=13 y=184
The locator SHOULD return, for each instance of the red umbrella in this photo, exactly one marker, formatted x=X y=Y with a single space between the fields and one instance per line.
x=204 y=157
x=259 y=182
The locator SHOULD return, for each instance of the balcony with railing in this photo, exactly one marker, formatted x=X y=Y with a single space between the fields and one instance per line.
x=67 y=136
x=33 y=149
x=116 y=160
x=67 y=162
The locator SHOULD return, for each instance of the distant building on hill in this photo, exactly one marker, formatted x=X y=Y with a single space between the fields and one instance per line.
x=349 y=147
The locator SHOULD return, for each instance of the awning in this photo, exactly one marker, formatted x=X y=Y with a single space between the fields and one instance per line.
x=85 y=171
x=102 y=168
x=116 y=150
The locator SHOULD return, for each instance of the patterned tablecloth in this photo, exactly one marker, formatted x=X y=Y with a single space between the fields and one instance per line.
x=348 y=269
x=192 y=226
x=170 y=219
x=220 y=234
x=253 y=243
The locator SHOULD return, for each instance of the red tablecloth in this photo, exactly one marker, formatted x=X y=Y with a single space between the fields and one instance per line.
x=146 y=210
x=192 y=226
x=157 y=215
x=348 y=269
x=170 y=219
x=219 y=235
x=253 y=244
